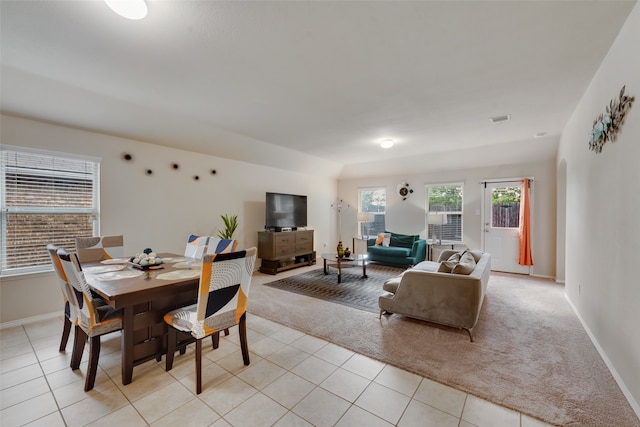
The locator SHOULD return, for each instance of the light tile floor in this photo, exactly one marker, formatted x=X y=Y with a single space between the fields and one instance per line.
x=293 y=380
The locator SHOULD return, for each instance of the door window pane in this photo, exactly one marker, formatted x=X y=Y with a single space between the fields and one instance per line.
x=505 y=207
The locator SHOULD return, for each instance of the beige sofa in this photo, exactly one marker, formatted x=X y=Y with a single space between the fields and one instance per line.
x=449 y=299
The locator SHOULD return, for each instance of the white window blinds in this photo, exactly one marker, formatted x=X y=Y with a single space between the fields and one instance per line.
x=46 y=198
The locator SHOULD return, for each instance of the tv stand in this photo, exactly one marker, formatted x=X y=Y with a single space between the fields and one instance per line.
x=282 y=251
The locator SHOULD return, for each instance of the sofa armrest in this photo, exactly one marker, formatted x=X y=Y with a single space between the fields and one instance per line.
x=419 y=250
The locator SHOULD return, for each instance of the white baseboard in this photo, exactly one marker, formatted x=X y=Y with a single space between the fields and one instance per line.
x=27 y=320
x=634 y=405
x=542 y=276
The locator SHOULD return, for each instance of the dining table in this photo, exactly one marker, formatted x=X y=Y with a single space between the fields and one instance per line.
x=145 y=295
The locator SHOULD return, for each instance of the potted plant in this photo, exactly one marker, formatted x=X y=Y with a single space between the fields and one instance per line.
x=230 y=225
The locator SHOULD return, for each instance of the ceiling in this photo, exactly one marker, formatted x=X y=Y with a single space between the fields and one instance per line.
x=252 y=81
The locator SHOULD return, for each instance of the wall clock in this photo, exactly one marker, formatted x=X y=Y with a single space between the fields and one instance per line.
x=404 y=190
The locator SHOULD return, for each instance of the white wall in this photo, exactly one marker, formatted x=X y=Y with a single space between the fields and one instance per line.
x=602 y=211
x=408 y=216
x=160 y=210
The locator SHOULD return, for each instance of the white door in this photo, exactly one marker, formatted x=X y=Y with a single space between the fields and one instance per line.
x=501 y=226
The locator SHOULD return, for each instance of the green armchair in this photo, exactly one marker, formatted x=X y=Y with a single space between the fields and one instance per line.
x=403 y=250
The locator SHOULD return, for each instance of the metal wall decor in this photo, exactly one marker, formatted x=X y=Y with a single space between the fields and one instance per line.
x=607 y=125
x=404 y=190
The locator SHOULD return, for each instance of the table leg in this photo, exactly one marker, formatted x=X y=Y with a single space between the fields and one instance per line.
x=127 y=345
x=364 y=269
x=325 y=266
x=339 y=271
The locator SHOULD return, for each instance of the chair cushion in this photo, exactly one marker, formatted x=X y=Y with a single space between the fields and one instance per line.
x=390 y=251
x=183 y=318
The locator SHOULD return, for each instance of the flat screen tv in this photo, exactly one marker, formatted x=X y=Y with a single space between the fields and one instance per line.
x=284 y=211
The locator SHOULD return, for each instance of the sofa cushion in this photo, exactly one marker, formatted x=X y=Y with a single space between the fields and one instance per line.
x=466 y=265
x=426 y=266
x=390 y=251
x=476 y=254
x=403 y=240
x=383 y=239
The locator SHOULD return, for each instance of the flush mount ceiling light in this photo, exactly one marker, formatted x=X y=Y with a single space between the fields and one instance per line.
x=130 y=9
x=387 y=143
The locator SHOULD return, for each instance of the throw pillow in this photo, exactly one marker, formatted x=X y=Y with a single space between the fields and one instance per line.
x=446 y=266
x=403 y=240
x=383 y=239
x=466 y=265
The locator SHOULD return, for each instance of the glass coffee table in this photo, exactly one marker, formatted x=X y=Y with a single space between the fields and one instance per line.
x=332 y=260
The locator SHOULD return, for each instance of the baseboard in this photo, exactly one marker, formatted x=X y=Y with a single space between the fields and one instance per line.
x=31 y=319
x=634 y=405
x=542 y=276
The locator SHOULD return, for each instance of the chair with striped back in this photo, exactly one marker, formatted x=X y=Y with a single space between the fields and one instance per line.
x=93 y=249
x=216 y=245
x=222 y=303
x=70 y=307
x=94 y=319
x=196 y=246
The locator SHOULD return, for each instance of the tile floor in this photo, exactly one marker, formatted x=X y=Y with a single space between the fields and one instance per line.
x=293 y=380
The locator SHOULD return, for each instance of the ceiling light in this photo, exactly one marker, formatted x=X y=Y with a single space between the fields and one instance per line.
x=500 y=119
x=130 y=9
x=387 y=143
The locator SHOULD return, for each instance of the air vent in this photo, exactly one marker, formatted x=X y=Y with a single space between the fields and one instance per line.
x=500 y=119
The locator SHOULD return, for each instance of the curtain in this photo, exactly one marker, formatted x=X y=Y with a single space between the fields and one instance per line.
x=525 y=257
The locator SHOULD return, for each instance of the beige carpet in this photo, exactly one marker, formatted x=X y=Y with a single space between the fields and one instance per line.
x=530 y=352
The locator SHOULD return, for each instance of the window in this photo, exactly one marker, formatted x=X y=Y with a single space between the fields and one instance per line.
x=372 y=203
x=444 y=212
x=46 y=198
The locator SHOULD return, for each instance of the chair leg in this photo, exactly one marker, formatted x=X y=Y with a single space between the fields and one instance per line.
x=198 y=366
x=79 y=340
x=172 y=337
x=242 y=328
x=215 y=340
x=94 y=354
x=226 y=332
x=66 y=329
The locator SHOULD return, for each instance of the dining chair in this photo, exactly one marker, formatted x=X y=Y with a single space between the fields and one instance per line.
x=92 y=249
x=196 y=246
x=70 y=311
x=223 y=293
x=216 y=245
x=93 y=320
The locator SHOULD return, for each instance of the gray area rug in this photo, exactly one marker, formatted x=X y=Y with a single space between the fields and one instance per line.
x=530 y=353
x=354 y=290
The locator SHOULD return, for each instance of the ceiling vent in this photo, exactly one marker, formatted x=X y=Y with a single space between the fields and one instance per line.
x=500 y=119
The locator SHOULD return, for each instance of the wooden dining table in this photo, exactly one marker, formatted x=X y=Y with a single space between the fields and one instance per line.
x=144 y=299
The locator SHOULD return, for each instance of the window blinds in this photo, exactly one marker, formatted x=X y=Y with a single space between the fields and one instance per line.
x=46 y=198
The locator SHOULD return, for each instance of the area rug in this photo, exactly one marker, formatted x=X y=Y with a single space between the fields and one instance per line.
x=530 y=354
x=354 y=290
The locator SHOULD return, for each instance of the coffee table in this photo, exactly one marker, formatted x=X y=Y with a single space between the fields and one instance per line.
x=332 y=260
